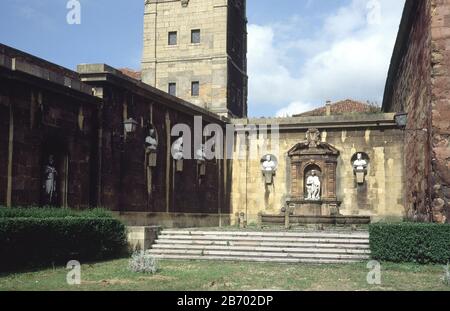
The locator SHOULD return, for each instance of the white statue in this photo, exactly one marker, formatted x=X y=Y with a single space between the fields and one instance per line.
x=151 y=147
x=201 y=155
x=269 y=165
x=313 y=187
x=50 y=180
x=177 y=149
x=359 y=165
x=151 y=142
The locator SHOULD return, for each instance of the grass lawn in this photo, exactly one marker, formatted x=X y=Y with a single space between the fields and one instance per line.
x=203 y=275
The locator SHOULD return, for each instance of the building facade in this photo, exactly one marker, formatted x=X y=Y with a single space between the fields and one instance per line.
x=197 y=50
x=339 y=140
x=97 y=137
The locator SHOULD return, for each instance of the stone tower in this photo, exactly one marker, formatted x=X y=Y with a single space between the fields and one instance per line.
x=197 y=51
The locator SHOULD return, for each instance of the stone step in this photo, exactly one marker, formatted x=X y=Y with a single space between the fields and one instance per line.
x=353 y=235
x=262 y=244
x=257 y=254
x=282 y=247
x=255 y=259
x=262 y=249
x=164 y=236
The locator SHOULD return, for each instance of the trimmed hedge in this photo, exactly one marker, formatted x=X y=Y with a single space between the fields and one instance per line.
x=51 y=212
x=410 y=242
x=32 y=242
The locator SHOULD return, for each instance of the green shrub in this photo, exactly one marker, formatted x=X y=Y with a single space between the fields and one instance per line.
x=31 y=242
x=410 y=242
x=51 y=212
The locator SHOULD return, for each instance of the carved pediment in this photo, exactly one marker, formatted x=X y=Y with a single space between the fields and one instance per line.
x=313 y=146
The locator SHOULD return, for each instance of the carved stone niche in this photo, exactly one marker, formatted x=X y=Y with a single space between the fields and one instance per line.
x=313 y=177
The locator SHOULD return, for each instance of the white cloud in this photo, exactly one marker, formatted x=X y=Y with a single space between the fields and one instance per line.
x=293 y=108
x=347 y=58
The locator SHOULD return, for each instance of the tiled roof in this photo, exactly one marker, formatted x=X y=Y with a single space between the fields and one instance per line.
x=341 y=107
x=131 y=73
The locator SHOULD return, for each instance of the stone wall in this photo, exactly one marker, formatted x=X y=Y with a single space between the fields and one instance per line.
x=52 y=114
x=185 y=62
x=99 y=164
x=440 y=109
x=376 y=135
x=417 y=83
x=4 y=141
x=123 y=181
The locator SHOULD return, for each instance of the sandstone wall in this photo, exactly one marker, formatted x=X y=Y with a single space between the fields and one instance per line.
x=382 y=195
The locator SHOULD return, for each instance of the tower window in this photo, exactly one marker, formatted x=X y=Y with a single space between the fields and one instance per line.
x=173 y=89
x=173 y=38
x=195 y=88
x=195 y=36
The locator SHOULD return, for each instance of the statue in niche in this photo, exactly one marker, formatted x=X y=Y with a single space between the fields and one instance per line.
x=269 y=166
x=177 y=153
x=151 y=147
x=360 y=165
x=360 y=168
x=313 y=187
x=50 y=175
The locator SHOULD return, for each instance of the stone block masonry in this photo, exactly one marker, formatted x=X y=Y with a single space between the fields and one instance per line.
x=217 y=61
x=418 y=83
x=440 y=109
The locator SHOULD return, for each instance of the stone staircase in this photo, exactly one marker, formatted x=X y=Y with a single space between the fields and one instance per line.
x=280 y=247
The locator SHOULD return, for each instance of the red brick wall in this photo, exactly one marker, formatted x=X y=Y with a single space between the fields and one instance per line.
x=411 y=92
x=440 y=77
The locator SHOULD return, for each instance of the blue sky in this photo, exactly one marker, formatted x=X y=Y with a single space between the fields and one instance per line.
x=301 y=53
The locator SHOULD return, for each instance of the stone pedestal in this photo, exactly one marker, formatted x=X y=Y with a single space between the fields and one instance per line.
x=152 y=159
x=142 y=237
x=360 y=177
x=268 y=177
x=179 y=165
x=314 y=208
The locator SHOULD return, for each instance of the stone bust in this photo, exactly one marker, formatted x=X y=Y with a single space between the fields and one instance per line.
x=360 y=165
x=200 y=153
x=151 y=142
x=177 y=149
x=269 y=165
